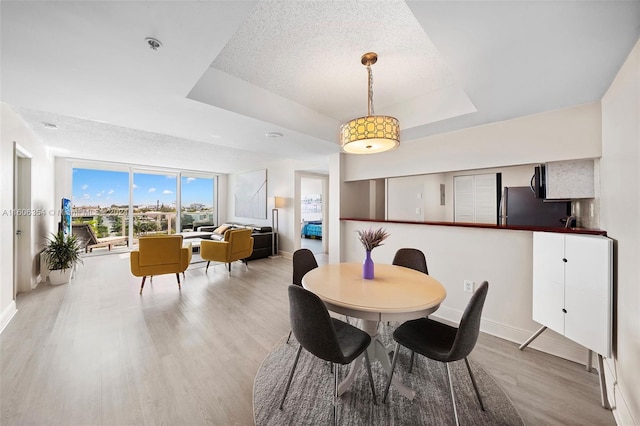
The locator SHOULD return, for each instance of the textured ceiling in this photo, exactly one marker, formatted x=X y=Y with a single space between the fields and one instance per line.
x=231 y=71
x=117 y=144
x=309 y=53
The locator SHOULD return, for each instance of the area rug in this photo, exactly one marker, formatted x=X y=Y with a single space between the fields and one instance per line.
x=309 y=401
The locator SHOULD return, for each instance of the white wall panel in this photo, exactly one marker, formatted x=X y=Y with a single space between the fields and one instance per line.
x=565 y=134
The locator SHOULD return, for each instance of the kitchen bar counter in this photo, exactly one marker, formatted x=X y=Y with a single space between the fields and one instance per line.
x=584 y=231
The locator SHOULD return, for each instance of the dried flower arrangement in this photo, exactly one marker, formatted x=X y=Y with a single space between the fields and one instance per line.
x=372 y=238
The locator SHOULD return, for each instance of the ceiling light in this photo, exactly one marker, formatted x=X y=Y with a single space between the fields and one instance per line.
x=274 y=135
x=50 y=126
x=153 y=43
x=373 y=133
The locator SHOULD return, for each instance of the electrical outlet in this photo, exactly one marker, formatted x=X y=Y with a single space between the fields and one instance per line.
x=418 y=210
x=469 y=286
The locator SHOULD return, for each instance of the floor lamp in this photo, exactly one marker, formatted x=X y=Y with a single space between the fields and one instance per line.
x=277 y=202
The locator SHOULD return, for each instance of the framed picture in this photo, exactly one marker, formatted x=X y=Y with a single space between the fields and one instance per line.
x=250 y=195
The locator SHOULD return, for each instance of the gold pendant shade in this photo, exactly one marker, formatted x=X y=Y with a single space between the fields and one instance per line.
x=373 y=133
x=370 y=134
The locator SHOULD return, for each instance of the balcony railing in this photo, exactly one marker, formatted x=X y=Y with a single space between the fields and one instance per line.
x=109 y=222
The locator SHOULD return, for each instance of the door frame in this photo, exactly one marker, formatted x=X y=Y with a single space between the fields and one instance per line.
x=297 y=213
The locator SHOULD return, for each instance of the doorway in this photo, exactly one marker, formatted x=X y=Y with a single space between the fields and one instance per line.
x=22 y=276
x=311 y=212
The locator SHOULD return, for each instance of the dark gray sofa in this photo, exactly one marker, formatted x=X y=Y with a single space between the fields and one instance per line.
x=262 y=238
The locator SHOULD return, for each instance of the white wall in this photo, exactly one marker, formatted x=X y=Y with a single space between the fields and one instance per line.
x=620 y=216
x=403 y=192
x=511 y=176
x=223 y=198
x=565 y=134
x=42 y=190
x=432 y=208
x=280 y=183
x=7 y=304
x=310 y=186
x=64 y=178
x=335 y=195
x=355 y=198
x=405 y=195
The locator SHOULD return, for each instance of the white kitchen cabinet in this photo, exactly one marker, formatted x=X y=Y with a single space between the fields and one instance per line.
x=573 y=292
x=572 y=287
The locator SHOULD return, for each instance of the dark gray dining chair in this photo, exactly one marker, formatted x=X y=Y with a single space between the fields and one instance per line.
x=411 y=258
x=303 y=262
x=443 y=343
x=325 y=337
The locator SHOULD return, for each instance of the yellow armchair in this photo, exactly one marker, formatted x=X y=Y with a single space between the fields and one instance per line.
x=158 y=255
x=237 y=245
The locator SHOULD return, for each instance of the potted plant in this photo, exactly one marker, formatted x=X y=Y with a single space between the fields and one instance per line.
x=370 y=239
x=62 y=254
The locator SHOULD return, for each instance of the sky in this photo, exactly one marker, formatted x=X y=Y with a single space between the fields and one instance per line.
x=104 y=188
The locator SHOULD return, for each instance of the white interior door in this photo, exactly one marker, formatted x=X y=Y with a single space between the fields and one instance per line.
x=588 y=292
x=22 y=276
x=475 y=198
x=548 y=280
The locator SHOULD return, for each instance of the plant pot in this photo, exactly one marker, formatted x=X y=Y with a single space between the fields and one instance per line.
x=59 y=276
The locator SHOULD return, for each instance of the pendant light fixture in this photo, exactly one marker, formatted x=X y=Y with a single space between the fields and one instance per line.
x=373 y=133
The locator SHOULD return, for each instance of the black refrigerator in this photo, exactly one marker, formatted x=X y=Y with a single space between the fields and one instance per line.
x=521 y=207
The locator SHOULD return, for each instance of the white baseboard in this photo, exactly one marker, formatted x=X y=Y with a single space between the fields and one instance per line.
x=7 y=315
x=617 y=400
x=285 y=254
x=547 y=342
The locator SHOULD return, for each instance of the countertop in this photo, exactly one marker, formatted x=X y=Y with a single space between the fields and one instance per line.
x=585 y=231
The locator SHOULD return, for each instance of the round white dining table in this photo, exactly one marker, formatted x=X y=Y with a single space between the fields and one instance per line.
x=395 y=294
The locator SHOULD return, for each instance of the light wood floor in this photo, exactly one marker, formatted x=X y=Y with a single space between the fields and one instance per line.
x=94 y=352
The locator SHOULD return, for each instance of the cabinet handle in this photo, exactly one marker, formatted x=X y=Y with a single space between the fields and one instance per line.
x=564 y=310
x=564 y=260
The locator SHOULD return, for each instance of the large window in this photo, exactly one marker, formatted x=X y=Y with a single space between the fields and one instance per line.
x=103 y=198
x=197 y=207
x=154 y=203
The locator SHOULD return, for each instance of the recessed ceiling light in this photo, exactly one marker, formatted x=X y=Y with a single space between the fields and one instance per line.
x=153 y=43
x=274 y=135
x=50 y=126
